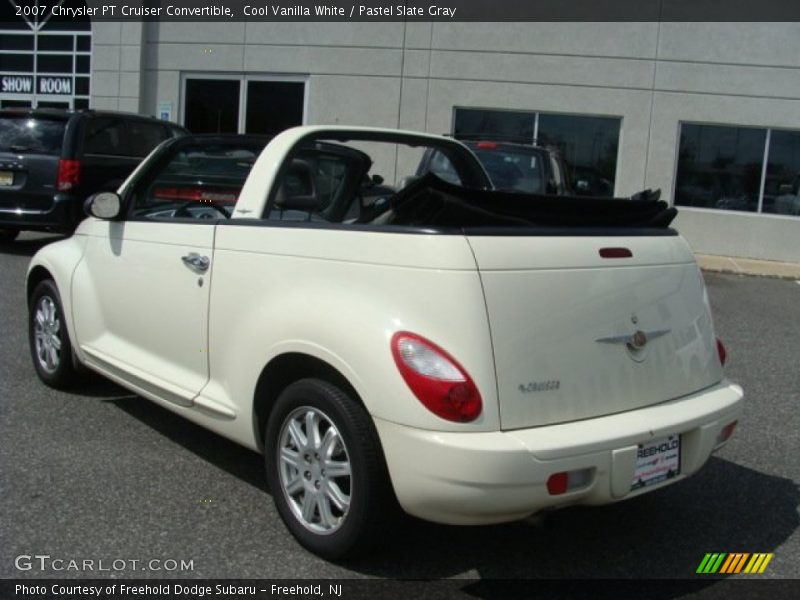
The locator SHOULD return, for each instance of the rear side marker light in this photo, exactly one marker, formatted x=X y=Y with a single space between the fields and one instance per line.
x=568 y=481
x=721 y=352
x=69 y=175
x=615 y=253
x=437 y=380
x=726 y=433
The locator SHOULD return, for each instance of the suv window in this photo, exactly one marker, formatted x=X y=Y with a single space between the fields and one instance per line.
x=25 y=133
x=143 y=136
x=105 y=135
x=116 y=136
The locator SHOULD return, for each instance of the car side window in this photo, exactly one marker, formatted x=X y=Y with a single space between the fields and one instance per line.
x=441 y=166
x=105 y=135
x=143 y=136
x=198 y=181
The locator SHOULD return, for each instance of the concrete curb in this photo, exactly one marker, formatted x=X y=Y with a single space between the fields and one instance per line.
x=747 y=266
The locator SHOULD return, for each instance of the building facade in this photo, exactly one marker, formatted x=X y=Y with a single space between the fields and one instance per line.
x=707 y=112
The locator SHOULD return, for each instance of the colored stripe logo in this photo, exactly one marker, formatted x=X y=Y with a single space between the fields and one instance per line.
x=735 y=562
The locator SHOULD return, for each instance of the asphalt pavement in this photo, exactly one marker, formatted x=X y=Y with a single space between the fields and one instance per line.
x=100 y=474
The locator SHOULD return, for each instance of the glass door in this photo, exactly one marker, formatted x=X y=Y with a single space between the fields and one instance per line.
x=243 y=103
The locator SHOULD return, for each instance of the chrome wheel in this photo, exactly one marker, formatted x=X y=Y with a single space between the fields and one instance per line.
x=314 y=470
x=47 y=334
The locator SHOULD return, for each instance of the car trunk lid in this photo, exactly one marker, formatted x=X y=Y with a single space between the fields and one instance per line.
x=578 y=332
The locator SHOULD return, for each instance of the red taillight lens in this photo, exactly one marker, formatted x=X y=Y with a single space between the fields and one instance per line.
x=557 y=483
x=487 y=145
x=615 y=253
x=69 y=175
x=436 y=379
x=723 y=354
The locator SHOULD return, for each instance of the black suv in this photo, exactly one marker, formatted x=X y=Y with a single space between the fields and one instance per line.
x=511 y=167
x=52 y=160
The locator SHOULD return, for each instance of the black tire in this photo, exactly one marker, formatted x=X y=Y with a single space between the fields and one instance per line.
x=54 y=366
x=371 y=502
x=8 y=235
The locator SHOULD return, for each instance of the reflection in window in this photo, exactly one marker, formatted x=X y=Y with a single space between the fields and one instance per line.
x=782 y=185
x=589 y=145
x=720 y=167
x=495 y=125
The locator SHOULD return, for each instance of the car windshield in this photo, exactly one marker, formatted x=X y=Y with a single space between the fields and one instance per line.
x=25 y=133
x=202 y=179
x=513 y=171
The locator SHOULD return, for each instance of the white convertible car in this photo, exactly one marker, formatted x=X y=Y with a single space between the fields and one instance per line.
x=473 y=355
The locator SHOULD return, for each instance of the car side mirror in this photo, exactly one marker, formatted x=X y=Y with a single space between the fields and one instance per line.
x=103 y=205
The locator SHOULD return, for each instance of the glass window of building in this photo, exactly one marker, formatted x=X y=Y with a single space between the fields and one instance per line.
x=588 y=144
x=40 y=56
x=747 y=169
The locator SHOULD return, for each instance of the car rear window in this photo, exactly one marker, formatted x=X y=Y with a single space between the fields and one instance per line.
x=25 y=133
x=513 y=171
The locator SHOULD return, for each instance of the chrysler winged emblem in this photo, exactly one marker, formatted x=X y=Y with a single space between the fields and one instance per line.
x=636 y=341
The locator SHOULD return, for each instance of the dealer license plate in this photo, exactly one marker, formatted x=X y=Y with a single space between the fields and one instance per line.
x=6 y=178
x=657 y=461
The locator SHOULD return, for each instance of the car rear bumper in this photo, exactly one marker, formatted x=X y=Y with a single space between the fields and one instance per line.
x=482 y=478
x=63 y=215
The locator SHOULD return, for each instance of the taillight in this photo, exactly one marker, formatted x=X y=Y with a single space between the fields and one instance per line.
x=567 y=481
x=69 y=175
x=615 y=253
x=436 y=379
x=487 y=145
x=723 y=354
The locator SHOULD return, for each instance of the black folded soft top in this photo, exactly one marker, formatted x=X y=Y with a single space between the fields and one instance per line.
x=432 y=202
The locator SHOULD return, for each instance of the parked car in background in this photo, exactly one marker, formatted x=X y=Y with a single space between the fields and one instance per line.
x=51 y=160
x=788 y=200
x=511 y=167
x=474 y=356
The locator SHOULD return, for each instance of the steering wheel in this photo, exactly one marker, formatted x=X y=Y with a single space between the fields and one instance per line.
x=184 y=212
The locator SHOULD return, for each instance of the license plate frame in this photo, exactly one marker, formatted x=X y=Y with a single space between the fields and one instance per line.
x=657 y=461
x=6 y=178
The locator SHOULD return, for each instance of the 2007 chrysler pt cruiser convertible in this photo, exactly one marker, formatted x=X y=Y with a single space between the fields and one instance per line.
x=473 y=354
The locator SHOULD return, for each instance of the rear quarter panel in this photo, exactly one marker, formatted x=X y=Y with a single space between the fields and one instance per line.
x=340 y=296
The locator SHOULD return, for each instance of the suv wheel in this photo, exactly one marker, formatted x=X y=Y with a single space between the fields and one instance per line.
x=51 y=349
x=326 y=470
x=8 y=235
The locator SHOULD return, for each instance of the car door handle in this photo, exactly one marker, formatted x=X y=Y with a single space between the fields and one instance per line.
x=194 y=260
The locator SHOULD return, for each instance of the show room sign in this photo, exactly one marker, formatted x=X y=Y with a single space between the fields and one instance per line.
x=23 y=84
x=16 y=84
x=54 y=85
